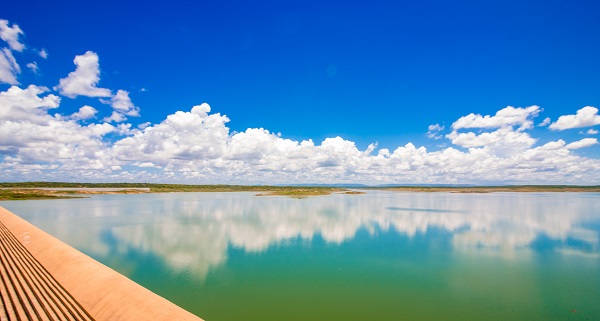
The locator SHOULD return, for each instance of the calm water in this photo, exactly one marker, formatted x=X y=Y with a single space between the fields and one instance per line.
x=380 y=256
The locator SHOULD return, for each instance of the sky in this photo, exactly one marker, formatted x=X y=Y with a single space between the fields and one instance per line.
x=300 y=92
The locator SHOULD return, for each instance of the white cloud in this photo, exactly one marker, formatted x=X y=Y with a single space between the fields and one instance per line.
x=433 y=131
x=115 y=117
x=504 y=137
x=144 y=125
x=18 y=104
x=592 y=131
x=85 y=78
x=122 y=105
x=585 y=117
x=125 y=129
x=546 y=122
x=11 y=35
x=506 y=140
x=145 y=165
x=586 y=142
x=509 y=116
x=33 y=67
x=8 y=67
x=85 y=112
x=183 y=136
x=34 y=142
x=197 y=147
x=435 y=127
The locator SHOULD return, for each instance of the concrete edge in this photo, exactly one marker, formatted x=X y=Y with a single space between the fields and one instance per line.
x=102 y=292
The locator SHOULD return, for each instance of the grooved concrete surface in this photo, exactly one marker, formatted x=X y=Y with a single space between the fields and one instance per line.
x=27 y=290
x=42 y=278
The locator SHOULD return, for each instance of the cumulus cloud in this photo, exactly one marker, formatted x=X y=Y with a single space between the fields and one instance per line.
x=509 y=116
x=145 y=165
x=123 y=104
x=586 y=142
x=34 y=142
x=33 y=67
x=122 y=107
x=508 y=139
x=585 y=117
x=11 y=35
x=546 y=122
x=115 y=117
x=43 y=53
x=504 y=138
x=196 y=146
x=17 y=104
x=84 y=80
x=433 y=131
x=8 y=67
x=199 y=146
x=85 y=112
x=182 y=137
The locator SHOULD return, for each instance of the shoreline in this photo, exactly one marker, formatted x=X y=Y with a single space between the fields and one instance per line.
x=498 y=189
x=45 y=190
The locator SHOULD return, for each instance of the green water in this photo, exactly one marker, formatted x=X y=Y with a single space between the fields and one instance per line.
x=379 y=256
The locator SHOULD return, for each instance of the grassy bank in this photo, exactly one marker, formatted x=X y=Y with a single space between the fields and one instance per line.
x=15 y=195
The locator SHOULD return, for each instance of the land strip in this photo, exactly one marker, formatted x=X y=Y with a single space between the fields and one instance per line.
x=56 y=190
x=51 y=190
x=495 y=189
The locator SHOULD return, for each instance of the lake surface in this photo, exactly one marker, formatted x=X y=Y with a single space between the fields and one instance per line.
x=379 y=256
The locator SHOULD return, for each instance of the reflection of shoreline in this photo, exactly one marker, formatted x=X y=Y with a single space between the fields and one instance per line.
x=194 y=231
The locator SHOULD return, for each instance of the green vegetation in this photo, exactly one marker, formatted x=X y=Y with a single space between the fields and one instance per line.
x=160 y=188
x=80 y=185
x=13 y=195
x=32 y=190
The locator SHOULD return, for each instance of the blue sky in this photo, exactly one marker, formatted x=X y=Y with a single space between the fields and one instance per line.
x=379 y=73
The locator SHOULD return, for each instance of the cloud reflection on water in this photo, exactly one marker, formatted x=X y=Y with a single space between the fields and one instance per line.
x=195 y=232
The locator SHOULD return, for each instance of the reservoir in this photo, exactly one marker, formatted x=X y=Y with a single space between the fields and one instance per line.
x=377 y=256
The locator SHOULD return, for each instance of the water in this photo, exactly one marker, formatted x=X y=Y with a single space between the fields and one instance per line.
x=379 y=256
